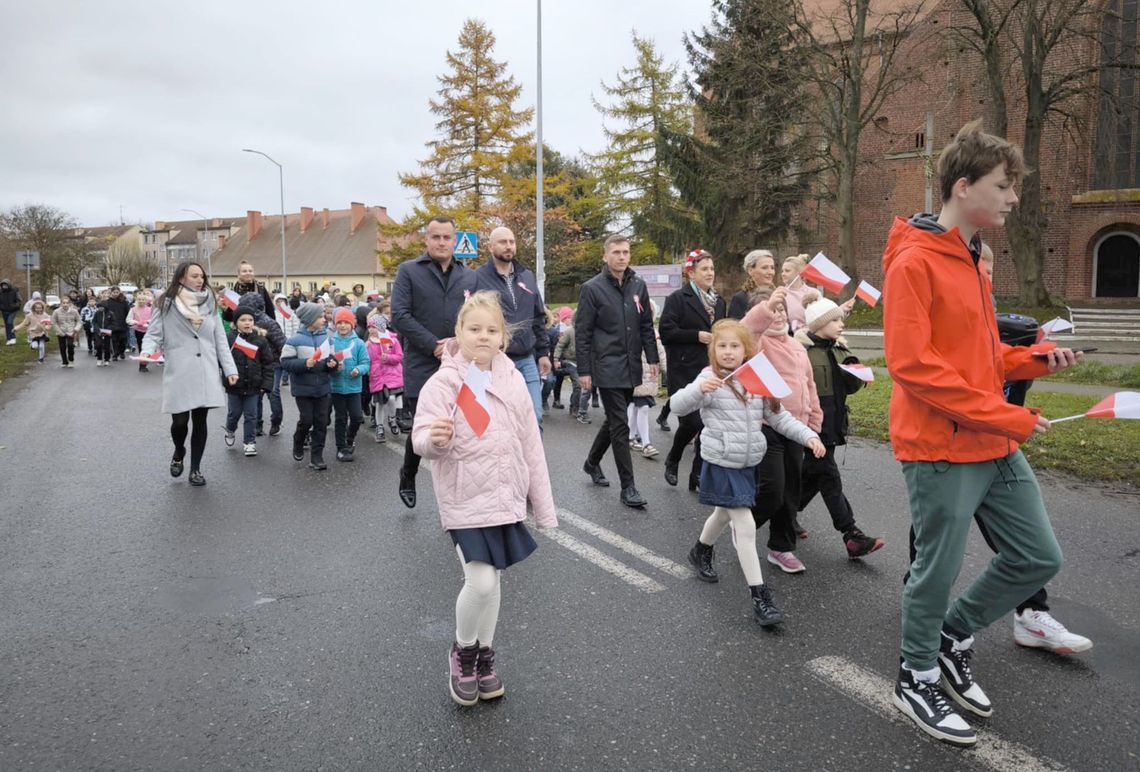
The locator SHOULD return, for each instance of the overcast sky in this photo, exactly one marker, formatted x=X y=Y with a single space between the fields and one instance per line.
x=147 y=104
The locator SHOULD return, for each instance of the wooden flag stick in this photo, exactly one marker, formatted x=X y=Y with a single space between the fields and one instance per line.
x=1066 y=418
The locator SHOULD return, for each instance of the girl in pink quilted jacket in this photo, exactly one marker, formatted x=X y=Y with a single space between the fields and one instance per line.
x=487 y=462
x=386 y=376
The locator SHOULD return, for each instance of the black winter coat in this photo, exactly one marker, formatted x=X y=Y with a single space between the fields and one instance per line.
x=522 y=306
x=9 y=298
x=738 y=306
x=612 y=328
x=425 y=305
x=119 y=310
x=242 y=289
x=254 y=375
x=682 y=320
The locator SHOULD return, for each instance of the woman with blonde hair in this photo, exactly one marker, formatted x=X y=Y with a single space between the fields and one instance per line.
x=760 y=265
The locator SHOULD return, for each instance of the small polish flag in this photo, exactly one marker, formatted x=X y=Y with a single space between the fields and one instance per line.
x=637 y=302
x=824 y=273
x=285 y=312
x=230 y=299
x=472 y=399
x=525 y=288
x=1122 y=404
x=245 y=347
x=760 y=378
x=46 y=322
x=862 y=372
x=342 y=354
x=323 y=351
x=385 y=339
x=1055 y=326
x=867 y=293
x=155 y=357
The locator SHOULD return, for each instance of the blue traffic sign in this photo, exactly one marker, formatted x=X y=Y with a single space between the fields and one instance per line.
x=466 y=245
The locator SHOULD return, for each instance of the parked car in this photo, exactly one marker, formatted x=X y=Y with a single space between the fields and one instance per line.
x=52 y=300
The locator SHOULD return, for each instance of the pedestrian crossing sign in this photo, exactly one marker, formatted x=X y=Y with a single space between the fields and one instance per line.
x=466 y=245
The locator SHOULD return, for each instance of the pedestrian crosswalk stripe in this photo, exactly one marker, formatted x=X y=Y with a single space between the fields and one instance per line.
x=603 y=561
x=873 y=691
x=625 y=545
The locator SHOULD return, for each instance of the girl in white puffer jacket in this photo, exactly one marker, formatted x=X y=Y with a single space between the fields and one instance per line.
x=732 y=445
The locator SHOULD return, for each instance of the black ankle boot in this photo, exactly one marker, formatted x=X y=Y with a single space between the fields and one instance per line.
x=701 y=556
x=765 y=609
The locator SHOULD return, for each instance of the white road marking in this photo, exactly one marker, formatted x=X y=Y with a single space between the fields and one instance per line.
x=873 y=691
x=625 y=545
x=603 y=561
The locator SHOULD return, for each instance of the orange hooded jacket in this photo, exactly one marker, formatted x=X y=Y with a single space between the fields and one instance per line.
x=943 y=351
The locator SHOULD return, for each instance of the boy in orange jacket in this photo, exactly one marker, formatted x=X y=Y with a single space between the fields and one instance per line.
x=956 y=435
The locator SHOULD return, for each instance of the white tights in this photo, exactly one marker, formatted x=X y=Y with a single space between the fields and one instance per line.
x=386 y=412
x=41 y=348
x=638 y=419
x=743 y=538
x=477 y=607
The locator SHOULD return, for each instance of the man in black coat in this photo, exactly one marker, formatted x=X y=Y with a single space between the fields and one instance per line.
x=525 y=312
x=10 y=305
x=686 y=329
x=119 y=307
x=247 y=282
x=613 y=326
x=426 y=298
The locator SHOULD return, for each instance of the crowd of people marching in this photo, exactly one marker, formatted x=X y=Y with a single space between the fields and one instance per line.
x=466 y=363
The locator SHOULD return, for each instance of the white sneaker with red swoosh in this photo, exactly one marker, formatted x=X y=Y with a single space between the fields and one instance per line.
x=1039 y=630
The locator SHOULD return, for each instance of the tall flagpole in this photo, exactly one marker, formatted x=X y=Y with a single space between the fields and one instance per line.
x=539 y=229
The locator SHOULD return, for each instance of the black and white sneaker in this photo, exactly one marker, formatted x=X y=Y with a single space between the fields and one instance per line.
x=954 y=662
x=927 y=706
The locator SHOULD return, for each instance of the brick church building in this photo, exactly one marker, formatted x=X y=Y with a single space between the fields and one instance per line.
x=1091 y=182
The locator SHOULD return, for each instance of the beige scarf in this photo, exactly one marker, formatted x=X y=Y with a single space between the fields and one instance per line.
x=187 y=303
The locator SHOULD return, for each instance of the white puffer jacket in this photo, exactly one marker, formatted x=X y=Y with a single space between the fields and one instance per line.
x=732 y=437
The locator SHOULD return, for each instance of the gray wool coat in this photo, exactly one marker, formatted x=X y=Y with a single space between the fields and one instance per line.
x=191 y=376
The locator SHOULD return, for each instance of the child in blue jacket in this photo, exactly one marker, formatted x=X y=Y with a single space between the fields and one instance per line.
x=346 y=382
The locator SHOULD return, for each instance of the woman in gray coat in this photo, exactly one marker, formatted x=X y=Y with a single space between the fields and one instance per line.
x=187 y=331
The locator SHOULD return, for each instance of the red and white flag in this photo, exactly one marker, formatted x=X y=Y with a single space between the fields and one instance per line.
x=155 y=357
x=760 y=378
x=230 y=299
x=245 y=347
x=385 y=339
x=472 y=399
x=824 y=273
x=323 y=351
x=341 y=354
x=1055 y=326
x=867 y=293
x=285 y=312
x=1122 y=404
x=862 y=372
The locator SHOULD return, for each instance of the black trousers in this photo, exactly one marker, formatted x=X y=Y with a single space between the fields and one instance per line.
x=346 y=408
x=66 y=348
x=314 y=421
x=1038 y=601
x=411 y=460
x=102 y=347
x=778 y=490
x=688 y=430
x=821 y=475
x=614 y=433
x=119 y=343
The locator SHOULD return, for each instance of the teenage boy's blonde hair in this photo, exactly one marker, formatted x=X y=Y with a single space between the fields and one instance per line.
x=485 y=300
x=973 y=154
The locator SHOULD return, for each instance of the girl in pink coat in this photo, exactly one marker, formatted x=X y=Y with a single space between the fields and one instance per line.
x=487 y=462
x=385 y=377
x=778 y=491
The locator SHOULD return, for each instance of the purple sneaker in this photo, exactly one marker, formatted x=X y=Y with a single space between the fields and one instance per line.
x=490 y=685
x=786 y=561
x=461 y=681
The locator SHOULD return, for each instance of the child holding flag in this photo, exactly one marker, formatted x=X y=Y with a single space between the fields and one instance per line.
x=732 y=449
x=957 y=437
x=138 y=319
x=345 y=382
x=835 y=377
x=386 y=376
x=487 y=463
x=308 y=358
x=778 y=488
x=254 y=360
x=38 y=325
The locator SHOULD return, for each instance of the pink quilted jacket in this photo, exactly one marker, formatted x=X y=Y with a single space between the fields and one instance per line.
x=790 y=359
x=387 y=368
x=484 y=481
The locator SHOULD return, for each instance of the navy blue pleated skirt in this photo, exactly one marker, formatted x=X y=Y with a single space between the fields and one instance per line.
x=721 y=487
x=499 y=545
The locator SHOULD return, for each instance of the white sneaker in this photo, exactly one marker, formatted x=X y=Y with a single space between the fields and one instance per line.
x=1039 y=630
x=250 y=449
x=635 y=444
x=229 y=437
x=649 y=451
x=12 y=342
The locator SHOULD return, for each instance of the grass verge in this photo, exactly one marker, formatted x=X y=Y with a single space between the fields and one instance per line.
x=1121 y=376
x=865 y=317
x=1092 y=449
x=14 y=359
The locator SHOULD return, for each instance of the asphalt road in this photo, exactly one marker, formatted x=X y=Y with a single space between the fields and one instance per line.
x=283 y=619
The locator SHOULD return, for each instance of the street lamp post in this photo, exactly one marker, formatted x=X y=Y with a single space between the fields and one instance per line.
x=281 y=183
x=539 y=227
x=205 y=233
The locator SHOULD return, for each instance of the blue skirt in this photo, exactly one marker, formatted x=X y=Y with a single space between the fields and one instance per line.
x=721 y=487
x=499 y=545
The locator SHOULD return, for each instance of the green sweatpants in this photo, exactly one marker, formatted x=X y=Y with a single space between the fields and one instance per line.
x=943 y=499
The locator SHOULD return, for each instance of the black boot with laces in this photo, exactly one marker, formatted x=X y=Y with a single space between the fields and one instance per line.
x=701 y=558
x=766 y=611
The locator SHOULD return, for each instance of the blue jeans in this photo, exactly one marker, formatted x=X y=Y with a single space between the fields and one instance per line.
x=276 y=412
x=529 y=370
x=10 y=324
x=243 y=406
